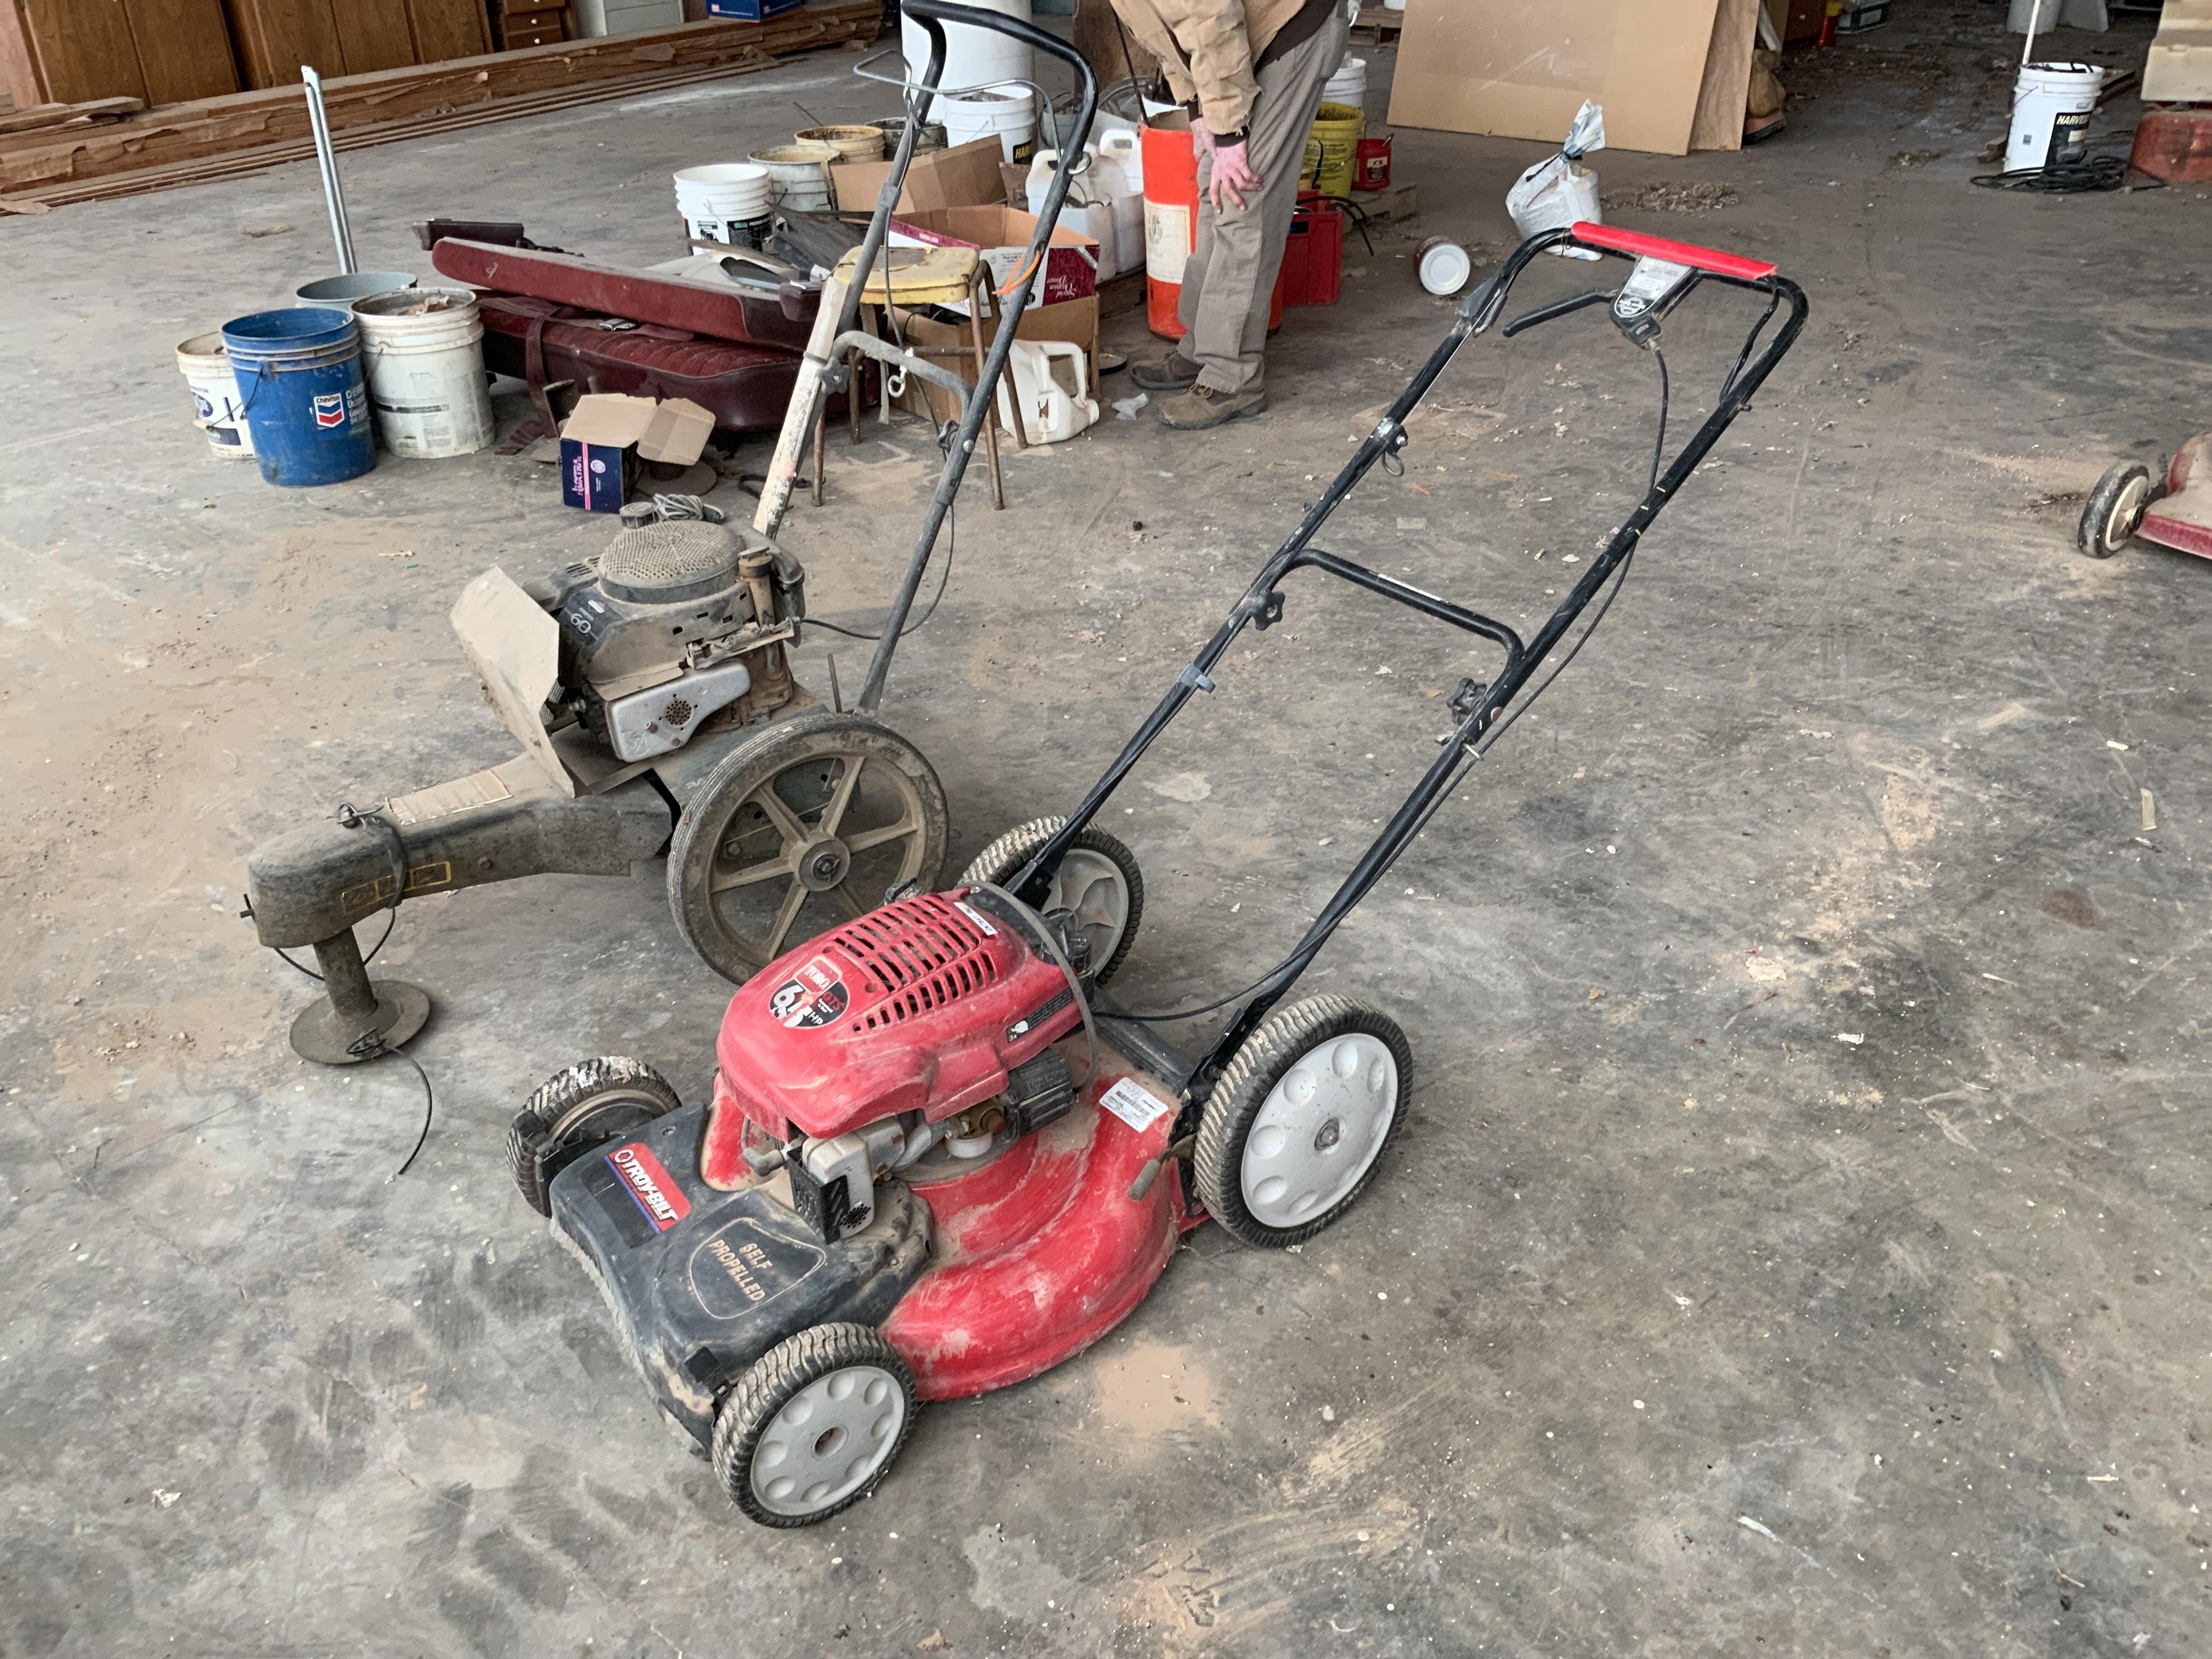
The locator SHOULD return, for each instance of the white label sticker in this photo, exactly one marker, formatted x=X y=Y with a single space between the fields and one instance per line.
x=1139 y=1108
x=1167 y=241
x=975 y=916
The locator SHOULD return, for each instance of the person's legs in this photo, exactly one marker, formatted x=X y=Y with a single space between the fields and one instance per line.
x=1230 y=278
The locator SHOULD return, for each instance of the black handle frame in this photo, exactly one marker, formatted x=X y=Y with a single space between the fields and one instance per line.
x=933 y=15
x=1263 y=603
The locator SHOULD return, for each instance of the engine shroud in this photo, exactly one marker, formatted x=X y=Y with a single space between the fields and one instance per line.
x=923 y=1005
x=658 y=591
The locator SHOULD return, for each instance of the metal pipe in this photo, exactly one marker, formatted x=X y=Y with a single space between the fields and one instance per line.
x=326 y=159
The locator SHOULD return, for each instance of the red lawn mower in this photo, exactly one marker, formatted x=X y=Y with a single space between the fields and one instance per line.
x=2174 y=512
x=925 y=1171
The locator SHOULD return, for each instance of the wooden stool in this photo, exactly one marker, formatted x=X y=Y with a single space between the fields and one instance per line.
x=906 y=277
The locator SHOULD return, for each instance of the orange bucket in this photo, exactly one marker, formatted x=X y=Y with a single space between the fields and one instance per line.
x=1171 y=228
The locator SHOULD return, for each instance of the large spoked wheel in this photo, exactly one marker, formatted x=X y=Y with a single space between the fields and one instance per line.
x=803 y=825
x=812 y=1426
x=1293 y=1132
x=579 y=1108
x=2115 y=508
x=1098 y=880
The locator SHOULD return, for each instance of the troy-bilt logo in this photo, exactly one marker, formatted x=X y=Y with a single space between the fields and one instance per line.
x=813 y=996
x=661 y=1200
x=329 y=408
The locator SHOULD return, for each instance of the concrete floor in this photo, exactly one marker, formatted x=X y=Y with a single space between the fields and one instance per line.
x=1801 y=1242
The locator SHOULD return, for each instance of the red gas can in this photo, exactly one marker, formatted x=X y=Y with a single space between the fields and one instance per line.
x=1371 y=164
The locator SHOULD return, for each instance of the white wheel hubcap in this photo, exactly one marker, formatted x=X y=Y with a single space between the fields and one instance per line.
x=2127 y=511
x=1318 y=1130
x=1092 y=886
x=829 y=1440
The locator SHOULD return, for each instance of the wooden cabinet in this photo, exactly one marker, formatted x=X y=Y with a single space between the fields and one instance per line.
x=352 y=36
x=72 y=52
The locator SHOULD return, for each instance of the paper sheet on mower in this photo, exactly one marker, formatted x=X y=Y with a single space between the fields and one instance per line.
x=1135 y=1104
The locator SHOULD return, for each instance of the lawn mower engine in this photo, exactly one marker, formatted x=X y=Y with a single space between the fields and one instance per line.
x=659 y=635
x=896 y=1150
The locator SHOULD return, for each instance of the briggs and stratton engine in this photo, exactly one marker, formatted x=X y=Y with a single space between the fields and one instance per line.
x=679 y=627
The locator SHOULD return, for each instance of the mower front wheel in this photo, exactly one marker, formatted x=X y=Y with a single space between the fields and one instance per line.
x=579 y=1108
x=814 y=1425
x=1293 y=1132
x=2114 y=510
x=1098 y=881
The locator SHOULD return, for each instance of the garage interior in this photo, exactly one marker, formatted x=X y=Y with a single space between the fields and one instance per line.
x=1798 y=1239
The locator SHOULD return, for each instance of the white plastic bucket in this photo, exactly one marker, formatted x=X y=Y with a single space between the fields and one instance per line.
x=1008 y=111
x=798 y=175
x=1348 y=85
x=2052 y=103
x=217 y=409
x=422 y=351
x=717 y=198
x=973 y=56
x=338 y=292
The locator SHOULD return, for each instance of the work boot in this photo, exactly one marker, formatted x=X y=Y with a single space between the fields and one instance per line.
x=1173 y=372
x=1202 y=407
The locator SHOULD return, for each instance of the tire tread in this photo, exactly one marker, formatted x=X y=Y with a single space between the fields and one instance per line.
x=751 y=1405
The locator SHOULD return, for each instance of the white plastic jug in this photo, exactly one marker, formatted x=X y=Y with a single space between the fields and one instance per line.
x=1052 y=377
x=1100 y=204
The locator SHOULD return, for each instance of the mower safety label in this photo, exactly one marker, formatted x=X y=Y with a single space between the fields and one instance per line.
x=1137 y=1107
x=649 y=1185
x=813 y=996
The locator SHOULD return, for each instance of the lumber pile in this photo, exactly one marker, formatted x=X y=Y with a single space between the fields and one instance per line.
x=219 y=137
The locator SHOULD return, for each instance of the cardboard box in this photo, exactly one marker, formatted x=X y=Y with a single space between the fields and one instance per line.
x=752 y=11
x=1076 y=321
x=603 y=439
x=1002 y=233
x=966 y=175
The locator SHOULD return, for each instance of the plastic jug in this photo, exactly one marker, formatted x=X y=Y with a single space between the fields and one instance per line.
x=1052 y=379
x=1100 y=204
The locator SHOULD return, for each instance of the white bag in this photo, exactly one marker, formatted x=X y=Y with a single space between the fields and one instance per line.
x=1558 y=192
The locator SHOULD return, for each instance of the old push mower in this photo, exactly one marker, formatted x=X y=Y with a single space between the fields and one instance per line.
x=2175 y=511
x=653 y=693
x=925 y=1171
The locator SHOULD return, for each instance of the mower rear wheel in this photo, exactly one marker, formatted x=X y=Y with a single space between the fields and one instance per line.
x=814 y=1425
x=1098 y=880
x=2115 y=508
x=1295 y=1128
x=803 y=824
x=579 y=1108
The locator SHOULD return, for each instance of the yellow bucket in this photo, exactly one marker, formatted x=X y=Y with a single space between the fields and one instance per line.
x=1330 y=147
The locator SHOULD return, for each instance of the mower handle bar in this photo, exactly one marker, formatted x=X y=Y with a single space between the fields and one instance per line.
x=981 y=405
x=1262 y=604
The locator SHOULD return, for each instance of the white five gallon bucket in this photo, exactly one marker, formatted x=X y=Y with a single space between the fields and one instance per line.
x=1009 y=112
x=723 y=201
x=2052 y=103
x=797 y=176
x=217 y=409
x=421 y=352
x=1348 y=85
x=973 y=56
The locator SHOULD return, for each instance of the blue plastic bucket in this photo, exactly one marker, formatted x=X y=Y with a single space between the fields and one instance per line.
x=299 y=379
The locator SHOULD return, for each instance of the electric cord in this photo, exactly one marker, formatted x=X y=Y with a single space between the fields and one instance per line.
x=2092 y=173
x=944 y=577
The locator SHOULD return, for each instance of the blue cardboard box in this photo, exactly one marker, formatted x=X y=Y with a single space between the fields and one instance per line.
x=607 y=432
x=752 y=11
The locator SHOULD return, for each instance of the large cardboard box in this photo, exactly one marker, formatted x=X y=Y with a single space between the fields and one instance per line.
x=1076 y=321
x=966 y=175
x=1522 y=71
x=1002 y=233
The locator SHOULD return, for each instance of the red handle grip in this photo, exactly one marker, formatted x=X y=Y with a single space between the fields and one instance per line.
x=1680 y=253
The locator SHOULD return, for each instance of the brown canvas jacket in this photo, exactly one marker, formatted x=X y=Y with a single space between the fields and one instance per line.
x=1207 y=49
